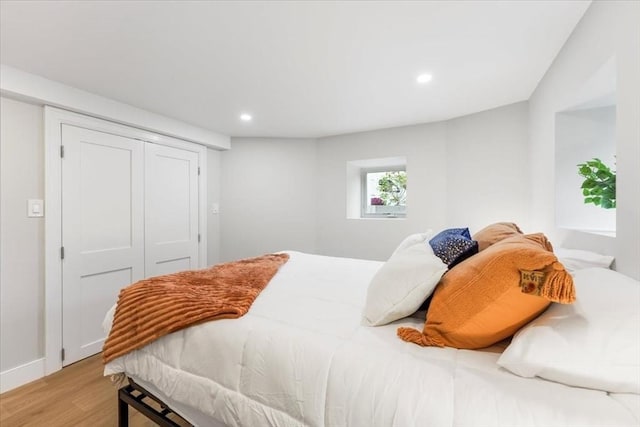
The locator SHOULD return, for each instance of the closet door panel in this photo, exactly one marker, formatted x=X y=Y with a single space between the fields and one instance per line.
x=102 y=231
x=171 y=209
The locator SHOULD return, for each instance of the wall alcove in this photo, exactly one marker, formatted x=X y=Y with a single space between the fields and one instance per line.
x=584 y=130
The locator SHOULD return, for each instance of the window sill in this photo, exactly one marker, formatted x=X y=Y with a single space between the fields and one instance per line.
x=381 y=218
x=607 y=233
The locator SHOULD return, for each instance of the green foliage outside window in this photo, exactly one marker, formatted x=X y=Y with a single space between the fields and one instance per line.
x=599 y=186
x=392 y=188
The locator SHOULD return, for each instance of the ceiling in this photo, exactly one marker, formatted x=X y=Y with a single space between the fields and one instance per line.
x=301 y=69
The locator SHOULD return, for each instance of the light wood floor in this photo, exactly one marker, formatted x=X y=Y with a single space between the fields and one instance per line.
x=78 y=395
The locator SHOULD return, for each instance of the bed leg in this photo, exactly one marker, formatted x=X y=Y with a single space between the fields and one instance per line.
x=123 y=411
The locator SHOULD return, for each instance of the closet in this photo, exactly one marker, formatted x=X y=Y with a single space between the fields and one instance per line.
x=130 y=209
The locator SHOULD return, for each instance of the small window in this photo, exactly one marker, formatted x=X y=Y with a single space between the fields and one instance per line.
x=384 y=192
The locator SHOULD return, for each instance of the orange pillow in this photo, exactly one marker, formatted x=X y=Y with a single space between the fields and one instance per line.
x=494 y=233
x=491 y=295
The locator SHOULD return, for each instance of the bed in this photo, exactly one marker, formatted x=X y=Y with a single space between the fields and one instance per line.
x=301 y=357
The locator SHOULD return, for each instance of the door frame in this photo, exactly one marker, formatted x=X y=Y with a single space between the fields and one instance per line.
x=54 y=118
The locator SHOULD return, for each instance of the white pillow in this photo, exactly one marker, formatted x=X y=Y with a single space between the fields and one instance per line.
x=593 y=343
x=576 y=259
x=412 y=240
x=403 y=283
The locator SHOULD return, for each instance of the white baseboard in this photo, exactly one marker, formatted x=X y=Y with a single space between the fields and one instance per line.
x=20 y=375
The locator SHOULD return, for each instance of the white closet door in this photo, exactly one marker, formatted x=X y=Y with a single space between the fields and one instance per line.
x=102 y=231
x=171 y=202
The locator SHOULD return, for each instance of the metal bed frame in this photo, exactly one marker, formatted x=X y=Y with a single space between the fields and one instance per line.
x=134 y=395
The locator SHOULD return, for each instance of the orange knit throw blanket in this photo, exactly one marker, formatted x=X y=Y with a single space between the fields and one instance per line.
x=154 y=307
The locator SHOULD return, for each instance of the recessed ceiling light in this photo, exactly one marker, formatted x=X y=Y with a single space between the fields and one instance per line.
x=424 y=78
x=245 y=117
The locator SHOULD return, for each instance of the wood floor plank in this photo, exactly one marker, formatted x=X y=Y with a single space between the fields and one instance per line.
x=78 y=395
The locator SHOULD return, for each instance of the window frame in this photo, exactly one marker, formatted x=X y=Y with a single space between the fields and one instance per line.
x=364 y=196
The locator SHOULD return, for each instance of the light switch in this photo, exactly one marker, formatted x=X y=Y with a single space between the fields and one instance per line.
x=35 y=208
x=215 y=208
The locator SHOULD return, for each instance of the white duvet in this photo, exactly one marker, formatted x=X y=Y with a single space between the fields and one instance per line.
x=301 y=358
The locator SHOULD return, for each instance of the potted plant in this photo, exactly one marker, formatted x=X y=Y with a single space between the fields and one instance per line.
x=599 y=186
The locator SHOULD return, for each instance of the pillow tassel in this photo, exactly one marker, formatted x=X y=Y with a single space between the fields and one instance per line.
x=417 y=337
x=558 y=286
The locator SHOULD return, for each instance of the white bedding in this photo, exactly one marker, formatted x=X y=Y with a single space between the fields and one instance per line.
x=301 y=357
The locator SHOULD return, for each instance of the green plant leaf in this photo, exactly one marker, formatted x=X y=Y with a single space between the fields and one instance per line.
x=589 y=183
x=584 y=170
x=599 y=186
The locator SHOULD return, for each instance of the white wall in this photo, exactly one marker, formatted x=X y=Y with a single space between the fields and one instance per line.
x=487 y=168
x=291 y=194
x=465 y=172
x=424 y=148
x=22 y=238
x=268 y=199
x=214 y=170
x=608 y=28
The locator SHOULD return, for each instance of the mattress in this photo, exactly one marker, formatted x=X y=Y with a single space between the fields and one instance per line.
x=300 y=357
